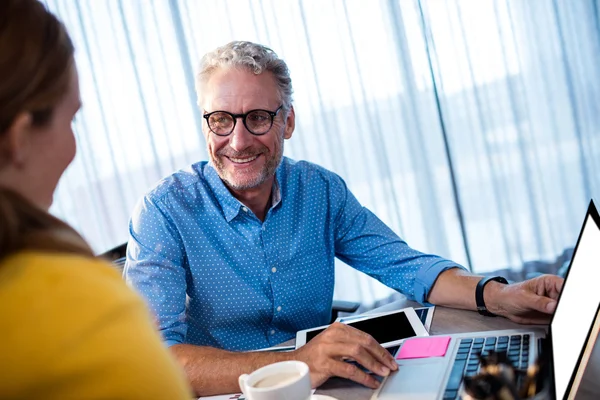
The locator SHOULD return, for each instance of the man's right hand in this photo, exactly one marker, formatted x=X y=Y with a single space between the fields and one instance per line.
x=327 y=352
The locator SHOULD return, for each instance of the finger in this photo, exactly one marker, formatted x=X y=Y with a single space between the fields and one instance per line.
x=349 y=371
x=538 y=319
x=373 y=347
x=364 y=357
x=381 y=355
x=359 y=354
x=555 y=284
x=542 y=304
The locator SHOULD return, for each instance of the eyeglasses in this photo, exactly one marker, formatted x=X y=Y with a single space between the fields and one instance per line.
x=258 y=122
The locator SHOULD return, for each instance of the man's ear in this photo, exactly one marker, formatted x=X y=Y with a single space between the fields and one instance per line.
x=290 y=124
x=15 y=143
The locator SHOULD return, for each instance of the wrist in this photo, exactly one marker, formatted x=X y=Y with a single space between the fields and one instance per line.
x=492 y=296
x=488 y=296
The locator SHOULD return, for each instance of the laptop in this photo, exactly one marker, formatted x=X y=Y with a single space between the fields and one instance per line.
x=566 y=345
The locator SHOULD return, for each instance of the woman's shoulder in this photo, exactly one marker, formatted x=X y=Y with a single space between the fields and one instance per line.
x=62 y=294
x=69 y=317
x=63 y=277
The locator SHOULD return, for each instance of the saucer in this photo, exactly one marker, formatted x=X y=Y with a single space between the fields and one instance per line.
x=321 y=397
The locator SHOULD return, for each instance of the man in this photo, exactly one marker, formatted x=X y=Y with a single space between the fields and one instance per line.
x=250 y=238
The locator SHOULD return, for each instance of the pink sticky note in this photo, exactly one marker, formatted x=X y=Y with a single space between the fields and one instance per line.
x=423 y=347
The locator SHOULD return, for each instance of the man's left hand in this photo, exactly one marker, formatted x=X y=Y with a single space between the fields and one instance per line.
x=529 y=302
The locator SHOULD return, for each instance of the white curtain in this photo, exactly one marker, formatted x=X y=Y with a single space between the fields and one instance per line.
x=471 y=127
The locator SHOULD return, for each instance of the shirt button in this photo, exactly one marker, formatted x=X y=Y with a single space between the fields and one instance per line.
x=272 y=331
x=273 y=270
x=245 y=209
x=279 y=308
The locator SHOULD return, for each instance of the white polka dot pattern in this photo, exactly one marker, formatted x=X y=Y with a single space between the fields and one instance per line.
x=217 y=276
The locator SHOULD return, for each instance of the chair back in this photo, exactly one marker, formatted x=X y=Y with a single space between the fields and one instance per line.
x=116 y=256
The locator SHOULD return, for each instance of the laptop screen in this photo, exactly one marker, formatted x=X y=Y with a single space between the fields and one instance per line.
x=578 y=304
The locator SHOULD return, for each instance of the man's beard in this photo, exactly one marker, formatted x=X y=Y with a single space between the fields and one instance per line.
x=241 y=182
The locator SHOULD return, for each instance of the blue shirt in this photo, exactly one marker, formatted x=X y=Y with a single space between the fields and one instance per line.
x=253 y=284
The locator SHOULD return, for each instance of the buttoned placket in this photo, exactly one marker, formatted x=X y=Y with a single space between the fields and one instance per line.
x=273 y=271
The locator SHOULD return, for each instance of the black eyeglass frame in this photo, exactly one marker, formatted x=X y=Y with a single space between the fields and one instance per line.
x=235 y=117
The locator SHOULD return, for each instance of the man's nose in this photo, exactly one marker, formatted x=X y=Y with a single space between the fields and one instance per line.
x=240 y=139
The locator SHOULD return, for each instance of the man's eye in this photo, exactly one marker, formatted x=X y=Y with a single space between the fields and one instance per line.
x=258 y=118
x=220 y=120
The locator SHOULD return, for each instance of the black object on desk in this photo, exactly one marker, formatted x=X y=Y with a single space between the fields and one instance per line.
x=500 y=379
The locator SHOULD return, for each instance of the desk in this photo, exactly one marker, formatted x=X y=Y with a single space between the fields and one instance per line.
x=448 y=320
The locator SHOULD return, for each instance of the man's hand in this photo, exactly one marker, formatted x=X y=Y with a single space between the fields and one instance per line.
x=325 y=355
x=529 y=302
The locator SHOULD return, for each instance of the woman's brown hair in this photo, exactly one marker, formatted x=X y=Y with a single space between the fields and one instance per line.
x=36 y=60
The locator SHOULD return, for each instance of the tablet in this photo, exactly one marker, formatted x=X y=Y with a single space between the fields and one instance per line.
x=388 y=329
x=425 y=314
x=278 y=349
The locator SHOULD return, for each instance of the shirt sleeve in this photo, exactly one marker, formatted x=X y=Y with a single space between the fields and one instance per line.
x=364 y=242
x=155 y=268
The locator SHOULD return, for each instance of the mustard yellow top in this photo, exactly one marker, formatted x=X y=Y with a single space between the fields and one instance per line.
x=70 y=328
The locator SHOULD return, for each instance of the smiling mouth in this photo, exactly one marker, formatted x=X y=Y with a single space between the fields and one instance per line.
x=243 y=160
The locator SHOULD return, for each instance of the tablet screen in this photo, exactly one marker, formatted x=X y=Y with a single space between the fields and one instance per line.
x=384 y=328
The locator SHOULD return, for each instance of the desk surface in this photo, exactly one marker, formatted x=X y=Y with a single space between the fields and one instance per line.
x=448 y=320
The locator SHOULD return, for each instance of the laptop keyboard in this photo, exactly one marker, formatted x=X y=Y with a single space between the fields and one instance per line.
x=466 y=361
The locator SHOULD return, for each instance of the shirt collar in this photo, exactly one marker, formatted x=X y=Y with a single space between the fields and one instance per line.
x=230 y=205
x=275 y=192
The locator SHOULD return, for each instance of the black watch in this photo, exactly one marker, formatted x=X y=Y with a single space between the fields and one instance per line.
x=481 y=308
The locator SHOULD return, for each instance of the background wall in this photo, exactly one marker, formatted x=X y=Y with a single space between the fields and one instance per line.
x=471 y=127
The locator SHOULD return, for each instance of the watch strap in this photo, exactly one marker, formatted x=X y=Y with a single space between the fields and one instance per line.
x=481 y=308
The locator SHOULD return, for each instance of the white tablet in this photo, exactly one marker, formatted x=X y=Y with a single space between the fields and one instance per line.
x=425 y=314
x=389 y=329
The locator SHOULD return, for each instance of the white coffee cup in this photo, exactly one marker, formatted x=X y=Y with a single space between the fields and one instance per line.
x=286 y=380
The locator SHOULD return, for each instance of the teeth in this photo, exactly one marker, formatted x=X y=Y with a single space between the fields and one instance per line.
x=243 y=160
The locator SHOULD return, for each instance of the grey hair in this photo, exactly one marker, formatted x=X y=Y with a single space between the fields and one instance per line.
x=252 y=56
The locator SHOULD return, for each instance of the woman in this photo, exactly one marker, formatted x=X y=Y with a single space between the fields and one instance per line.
x=71 y=329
